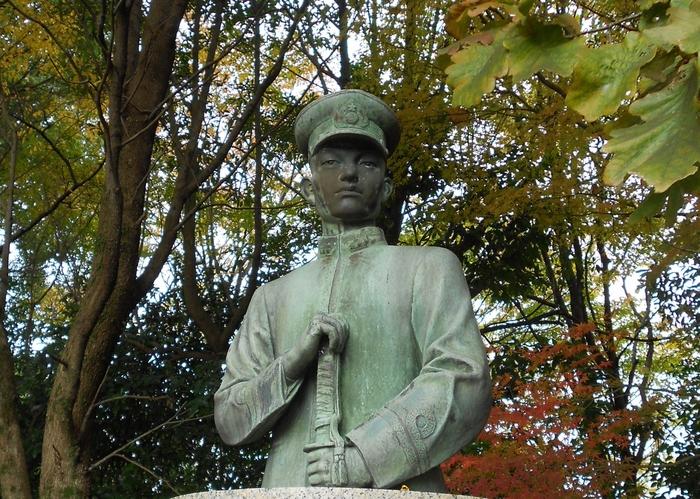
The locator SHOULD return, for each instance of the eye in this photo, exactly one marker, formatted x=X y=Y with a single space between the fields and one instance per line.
x=368 y=163
x=330 y=162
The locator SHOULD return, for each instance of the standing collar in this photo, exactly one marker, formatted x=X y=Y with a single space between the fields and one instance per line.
x=351 y=241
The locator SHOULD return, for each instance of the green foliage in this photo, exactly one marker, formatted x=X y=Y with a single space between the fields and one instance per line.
x=161 y=392
x=533 y=47
x=476 y=69
x=678 y=292
x=590 y=379
x=607 y=75
x=661 y=150
x=681 y=29
x=659 y=41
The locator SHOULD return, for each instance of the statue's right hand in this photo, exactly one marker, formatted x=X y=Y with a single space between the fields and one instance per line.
x=332 y=326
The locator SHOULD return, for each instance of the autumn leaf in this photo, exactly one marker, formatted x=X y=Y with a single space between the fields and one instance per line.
x=475 y=8
x=665 y=147
x=535 y=46
x=460 y=15
x=651 y=205
x=459 y=115
x=606 y=75
x=475 y=69
x=480 y=8
x=682 y=28
x=457 y=20
x=569 y=23
x=659 y=69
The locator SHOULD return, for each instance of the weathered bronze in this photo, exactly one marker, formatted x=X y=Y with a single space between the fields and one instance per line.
x=366 y=363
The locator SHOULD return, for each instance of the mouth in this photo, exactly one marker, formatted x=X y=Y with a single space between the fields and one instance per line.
x=349 y=191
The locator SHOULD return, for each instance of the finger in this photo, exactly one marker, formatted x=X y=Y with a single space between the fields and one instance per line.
x=336 y=342
x=342 y=331
x=314 y=456
x=339 y=335
x=318 y=472
x=316 y=480
x=320 y=322
x=337 y=321
x=316 y=330
x=315 y=468
x=332 y=326
x=336 y=339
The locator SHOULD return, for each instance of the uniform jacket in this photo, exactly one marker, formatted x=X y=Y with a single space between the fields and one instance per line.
x=414 y=384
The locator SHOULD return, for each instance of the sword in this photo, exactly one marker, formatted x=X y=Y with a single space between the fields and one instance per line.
x=328 y=414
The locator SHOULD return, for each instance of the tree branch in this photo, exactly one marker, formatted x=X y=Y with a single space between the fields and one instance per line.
x=56 y=203
x=632 y=17
x=520 y=323
x=169 y=423
x=551 y=85
x=150 y=472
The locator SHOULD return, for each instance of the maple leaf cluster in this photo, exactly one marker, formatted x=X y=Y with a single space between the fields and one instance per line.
x=549 y=433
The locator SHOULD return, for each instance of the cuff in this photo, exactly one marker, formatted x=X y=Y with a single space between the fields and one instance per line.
x=387 y=447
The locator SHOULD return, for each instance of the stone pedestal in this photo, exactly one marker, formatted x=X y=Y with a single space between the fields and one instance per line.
x=319 y=493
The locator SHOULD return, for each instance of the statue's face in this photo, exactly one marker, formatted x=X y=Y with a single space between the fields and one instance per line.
x=348 y=182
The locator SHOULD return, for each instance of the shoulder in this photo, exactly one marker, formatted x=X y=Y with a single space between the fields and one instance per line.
x=426 y=255
x=423 y=263
x=431 y=266
x=302 y=273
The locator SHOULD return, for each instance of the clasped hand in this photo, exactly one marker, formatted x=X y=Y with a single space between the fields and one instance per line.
x=295 y=361
x=319 y=468
x=331 y=326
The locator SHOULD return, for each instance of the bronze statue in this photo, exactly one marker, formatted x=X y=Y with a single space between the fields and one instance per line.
x=366 y=364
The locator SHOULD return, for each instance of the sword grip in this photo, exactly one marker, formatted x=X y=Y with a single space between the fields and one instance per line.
x=326 y=396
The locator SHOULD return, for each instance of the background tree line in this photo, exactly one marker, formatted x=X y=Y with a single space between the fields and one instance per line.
x=149 y=184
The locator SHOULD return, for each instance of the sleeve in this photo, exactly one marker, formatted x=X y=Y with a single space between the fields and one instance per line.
x=254 y=392
x=447 y=404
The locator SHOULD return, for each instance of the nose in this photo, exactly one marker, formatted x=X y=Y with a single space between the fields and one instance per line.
x=348 y=173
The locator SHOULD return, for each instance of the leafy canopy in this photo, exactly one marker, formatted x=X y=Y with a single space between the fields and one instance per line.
x=645 y=62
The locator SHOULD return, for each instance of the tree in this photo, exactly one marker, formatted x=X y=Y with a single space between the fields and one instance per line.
x=563 y=240
x=49 y=158
x=122 y=55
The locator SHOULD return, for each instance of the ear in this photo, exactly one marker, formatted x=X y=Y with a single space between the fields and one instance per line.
x=307 y=191
x=387 y=189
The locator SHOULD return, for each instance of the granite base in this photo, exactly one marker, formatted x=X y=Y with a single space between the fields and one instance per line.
x=319 y=493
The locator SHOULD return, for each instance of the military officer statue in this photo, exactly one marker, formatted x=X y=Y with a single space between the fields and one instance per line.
x=366 y=364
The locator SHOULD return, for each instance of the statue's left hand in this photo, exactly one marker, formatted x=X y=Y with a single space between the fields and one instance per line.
x=319 y=463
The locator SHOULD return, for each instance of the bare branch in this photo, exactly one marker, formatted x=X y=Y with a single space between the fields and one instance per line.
x=629 y=18
x=520 y=323
x=172 y=422
x=551 y=85
x=132 y=397
x=150 y=472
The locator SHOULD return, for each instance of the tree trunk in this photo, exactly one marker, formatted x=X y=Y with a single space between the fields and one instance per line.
x=138 y=85
x=14 y=477
x=345 y=67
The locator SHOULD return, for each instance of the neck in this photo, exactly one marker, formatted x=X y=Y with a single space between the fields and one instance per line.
x=335 y=228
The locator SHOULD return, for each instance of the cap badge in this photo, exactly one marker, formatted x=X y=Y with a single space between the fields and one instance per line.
x=351 y=115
